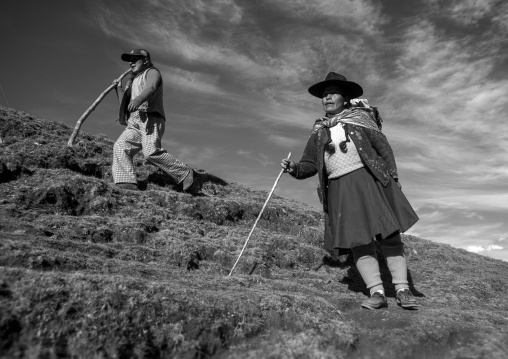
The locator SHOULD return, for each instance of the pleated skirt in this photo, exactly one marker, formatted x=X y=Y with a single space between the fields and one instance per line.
x=361 y=208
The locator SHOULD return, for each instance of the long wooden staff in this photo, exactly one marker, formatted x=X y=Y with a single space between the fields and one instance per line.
x=259 y=216
x=91 y=108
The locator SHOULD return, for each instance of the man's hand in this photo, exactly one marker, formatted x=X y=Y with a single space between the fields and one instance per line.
x=117 y=83
x=134 y=104
x=288 y=166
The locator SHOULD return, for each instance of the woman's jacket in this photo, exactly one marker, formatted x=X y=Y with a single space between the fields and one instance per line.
x=373 y=148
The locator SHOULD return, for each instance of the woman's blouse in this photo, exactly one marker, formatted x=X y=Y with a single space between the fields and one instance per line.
x=339 y=163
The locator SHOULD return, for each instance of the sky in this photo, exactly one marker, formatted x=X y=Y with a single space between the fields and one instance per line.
x=236 y=74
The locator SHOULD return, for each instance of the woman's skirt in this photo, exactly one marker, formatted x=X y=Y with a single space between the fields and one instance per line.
x=361 y=208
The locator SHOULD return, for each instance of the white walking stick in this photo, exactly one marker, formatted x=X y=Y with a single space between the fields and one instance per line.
x=91 y=108
x=259 y=216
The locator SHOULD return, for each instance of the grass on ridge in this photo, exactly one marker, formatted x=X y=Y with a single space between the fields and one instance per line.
x=90 y=270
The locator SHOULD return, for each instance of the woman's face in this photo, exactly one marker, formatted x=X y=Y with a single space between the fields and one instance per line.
x=333 y=100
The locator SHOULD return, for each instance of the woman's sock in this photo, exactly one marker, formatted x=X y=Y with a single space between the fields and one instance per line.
x=368 y=266
x=396 y=261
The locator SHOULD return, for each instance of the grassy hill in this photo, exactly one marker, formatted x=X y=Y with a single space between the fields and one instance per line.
x=89 y=270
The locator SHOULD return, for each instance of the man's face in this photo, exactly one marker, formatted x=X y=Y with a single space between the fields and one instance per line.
x=137 y=64
x=333 y=100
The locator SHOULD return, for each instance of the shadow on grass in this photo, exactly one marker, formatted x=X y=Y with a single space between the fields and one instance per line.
x=162 y=179
x=337 y=259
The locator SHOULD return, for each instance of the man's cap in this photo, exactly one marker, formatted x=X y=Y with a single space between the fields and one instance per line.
x=135 y=54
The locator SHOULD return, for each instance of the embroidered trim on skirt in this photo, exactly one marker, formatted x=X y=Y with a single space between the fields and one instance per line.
x=360 y=208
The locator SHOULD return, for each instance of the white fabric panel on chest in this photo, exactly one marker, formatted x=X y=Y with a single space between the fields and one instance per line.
x=338 y=163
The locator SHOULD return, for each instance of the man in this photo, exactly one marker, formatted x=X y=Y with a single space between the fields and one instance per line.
x=142 y=111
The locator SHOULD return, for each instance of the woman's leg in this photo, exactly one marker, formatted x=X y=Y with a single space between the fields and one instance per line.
x=368 y=266
x=393 y=250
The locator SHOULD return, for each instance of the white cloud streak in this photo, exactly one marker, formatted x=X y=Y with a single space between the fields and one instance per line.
x=478 y=249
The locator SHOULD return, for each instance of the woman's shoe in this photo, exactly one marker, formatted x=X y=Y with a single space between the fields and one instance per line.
x=406 y=300
x=376 y=301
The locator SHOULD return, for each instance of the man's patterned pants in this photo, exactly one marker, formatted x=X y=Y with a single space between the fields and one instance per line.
x=144 y=132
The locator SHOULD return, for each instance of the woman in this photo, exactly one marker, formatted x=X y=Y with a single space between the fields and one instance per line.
x=359 y=187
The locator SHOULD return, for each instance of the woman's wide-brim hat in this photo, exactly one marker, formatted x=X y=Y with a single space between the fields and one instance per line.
x=350 y=88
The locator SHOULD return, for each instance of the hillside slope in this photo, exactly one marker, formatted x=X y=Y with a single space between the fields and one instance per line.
x=90 y=270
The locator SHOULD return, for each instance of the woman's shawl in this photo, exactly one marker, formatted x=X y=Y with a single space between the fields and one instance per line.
x=359 y=116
